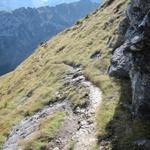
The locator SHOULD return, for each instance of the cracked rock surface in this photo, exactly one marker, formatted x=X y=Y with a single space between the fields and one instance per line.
x=132 y=58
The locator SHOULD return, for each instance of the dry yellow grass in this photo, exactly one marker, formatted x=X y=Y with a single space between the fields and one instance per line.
x=48 y=129
x=37 y=80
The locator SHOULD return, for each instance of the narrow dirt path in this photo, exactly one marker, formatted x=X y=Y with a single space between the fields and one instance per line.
x=85 y=136
x=80 y=125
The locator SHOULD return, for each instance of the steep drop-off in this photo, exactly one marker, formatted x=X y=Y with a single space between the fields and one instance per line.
x=22 y=30
x=65 y=77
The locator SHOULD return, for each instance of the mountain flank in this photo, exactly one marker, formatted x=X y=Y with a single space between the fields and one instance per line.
x=64 y=90
x=22 y=30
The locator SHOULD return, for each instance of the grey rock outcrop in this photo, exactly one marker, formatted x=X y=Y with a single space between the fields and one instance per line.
x=132 y=58
x=23 y=29
x=143 y=144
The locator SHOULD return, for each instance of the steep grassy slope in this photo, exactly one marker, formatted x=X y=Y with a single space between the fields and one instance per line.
x=22 y=30
x=40 y=80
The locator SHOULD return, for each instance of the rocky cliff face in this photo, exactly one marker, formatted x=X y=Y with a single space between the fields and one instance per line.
x=22 y=30
x=132 y=58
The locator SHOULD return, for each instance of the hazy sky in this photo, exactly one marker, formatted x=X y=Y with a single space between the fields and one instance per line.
x=51 y=2
x=13 y=4
x=54 y=2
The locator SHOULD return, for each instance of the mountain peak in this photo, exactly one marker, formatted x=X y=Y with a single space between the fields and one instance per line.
x=14 y=4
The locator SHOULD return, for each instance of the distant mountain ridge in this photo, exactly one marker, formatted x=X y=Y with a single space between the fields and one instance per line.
x=14 y=4
x=22 y=30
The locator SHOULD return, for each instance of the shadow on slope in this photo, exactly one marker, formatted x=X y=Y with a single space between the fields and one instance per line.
x=123 y=131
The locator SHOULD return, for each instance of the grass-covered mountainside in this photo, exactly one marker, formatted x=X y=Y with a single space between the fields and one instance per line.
x=40 y=81
x=23 y=29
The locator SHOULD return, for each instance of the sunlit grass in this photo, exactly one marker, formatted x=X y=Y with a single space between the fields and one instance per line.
x=48 y=129
x=36 y=82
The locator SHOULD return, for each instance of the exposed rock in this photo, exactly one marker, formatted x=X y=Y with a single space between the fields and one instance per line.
x=121 y=62
x=143 y=144
x=96 y=55
x=28 y=126
x=131 y=59
x=56 y=148
x=80 y=125
x=85 y=136
x=107 y=3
